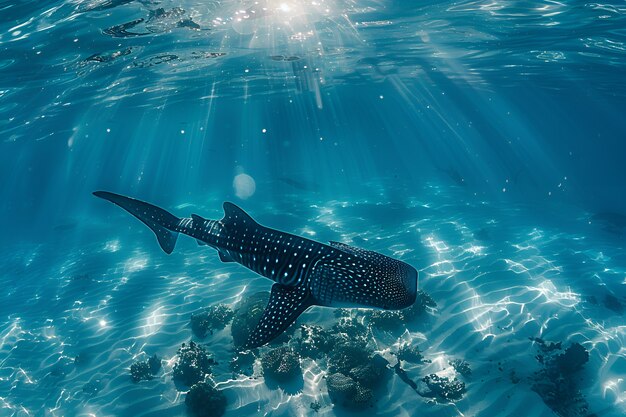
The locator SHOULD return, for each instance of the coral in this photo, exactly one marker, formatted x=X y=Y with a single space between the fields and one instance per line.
x=348 y=392
x=390 y=320
x=363 y=396
x=443 y=389
x=146 y=370
x=316 y=406
x=370 y=374
x=351 y=327
x=213 y=318
x=243 y=363
x=348 y=354
x=410 y=354
x=155 y=364
x=355 y=371
x=386 y=320
x=556 y=382
x=204 y=400
x=340 y=387
x=574 y=358
x=193 y=364
x=423 y=303
x=461 y=367
x=140 y=371
x=281 y=364
x=314 y=341
x=546 y=346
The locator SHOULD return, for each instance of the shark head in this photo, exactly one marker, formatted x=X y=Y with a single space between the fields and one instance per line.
x=396 y=288
x=409 y=283
x=364 y=279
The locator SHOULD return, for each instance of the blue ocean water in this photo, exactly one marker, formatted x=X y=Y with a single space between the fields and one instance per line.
x=482 y=142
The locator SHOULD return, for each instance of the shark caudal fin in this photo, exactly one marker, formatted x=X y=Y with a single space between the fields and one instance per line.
x=160 y=221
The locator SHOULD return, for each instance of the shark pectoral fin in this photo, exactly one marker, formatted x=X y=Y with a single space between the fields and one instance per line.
x=285 y=305
x=224 y=257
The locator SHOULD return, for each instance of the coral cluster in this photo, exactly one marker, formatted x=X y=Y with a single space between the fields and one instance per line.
x=391 y=320
x=193 y=364
x=212 y=318
x=411 y=354
x=281 y=364
x=461 y=367
x=348 y=392
x=243 y=363
x=386 y=320
x=204 y=400
x=145 y=370
x=423 y=303
x=347 y=354
x=351 y=326
x=355 y=371
x=314 y=342
x=557 y=382
x=442 y=388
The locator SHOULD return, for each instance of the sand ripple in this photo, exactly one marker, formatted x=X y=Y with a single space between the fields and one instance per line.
x=75 y=319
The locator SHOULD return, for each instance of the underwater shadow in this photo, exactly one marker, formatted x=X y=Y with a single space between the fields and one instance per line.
x=292 y=387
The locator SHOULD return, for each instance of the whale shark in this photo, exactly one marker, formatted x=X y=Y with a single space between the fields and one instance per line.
x=305 y=272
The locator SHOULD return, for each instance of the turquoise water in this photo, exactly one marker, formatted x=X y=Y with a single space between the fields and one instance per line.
x=482 y=142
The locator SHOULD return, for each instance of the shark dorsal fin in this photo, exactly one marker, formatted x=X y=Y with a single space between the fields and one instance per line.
x=285 y=305
x=364 y=253
x=354 y=250
x=234 y=215
x=198 y=219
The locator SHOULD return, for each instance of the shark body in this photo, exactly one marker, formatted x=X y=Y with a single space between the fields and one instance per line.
x=305 y=272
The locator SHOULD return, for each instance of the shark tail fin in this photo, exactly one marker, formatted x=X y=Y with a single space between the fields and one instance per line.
x=160 y=221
